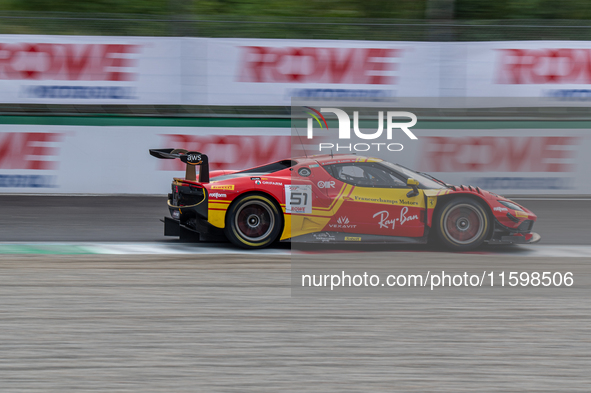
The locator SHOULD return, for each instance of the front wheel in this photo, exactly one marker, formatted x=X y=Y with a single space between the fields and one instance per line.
x=462 y=224
x=254 y=221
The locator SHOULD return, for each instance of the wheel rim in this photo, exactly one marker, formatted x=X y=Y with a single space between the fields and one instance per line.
x=254 y=221
x=463 y=223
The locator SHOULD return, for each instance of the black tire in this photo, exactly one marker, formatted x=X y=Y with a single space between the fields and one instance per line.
x=253 y=221
x=462 y=224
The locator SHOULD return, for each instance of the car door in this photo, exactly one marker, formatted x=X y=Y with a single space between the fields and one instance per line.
x=377 y=202
x=306 y=201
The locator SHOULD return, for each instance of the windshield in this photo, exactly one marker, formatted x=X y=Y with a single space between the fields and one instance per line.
x=422 y=179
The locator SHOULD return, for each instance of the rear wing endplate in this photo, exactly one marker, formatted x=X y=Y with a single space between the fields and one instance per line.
x=191 y=158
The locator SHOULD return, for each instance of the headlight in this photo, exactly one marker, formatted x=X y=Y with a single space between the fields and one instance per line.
x=510 y=205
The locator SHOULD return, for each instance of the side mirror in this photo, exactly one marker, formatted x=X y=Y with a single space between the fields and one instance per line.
x=414 y=184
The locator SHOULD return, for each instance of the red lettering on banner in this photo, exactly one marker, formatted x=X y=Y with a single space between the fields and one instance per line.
x=28 y=150
x=501 y=154
x=543 y=66
x=91 y=62
x=113 y=64
x=318 y=65
x=229 y=151
x=338 y=69
x=75 y=65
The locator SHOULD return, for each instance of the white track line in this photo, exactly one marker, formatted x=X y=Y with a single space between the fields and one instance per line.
x=147 y=248
x=154 y=248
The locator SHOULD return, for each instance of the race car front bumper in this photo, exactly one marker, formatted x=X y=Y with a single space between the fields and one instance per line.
x=527 y=238
x=520 y=235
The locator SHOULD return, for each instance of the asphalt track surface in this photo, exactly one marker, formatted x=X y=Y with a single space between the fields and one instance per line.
x=136 y=219
x=229 y=324
x=240 y=323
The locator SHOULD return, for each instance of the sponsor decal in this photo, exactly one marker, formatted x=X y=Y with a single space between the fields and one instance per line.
x=352 y=239
x=368 y=66
x=255 y=178
x=298 y=199
x=272 y=183
x=304 y=172
x=217 y=195
x=409 y=203
x=384 y=222
x=500 y=209
x=499 y=154
x=257 y=182
x=388 y=201
x=194 y=158
x=229 y=187
x=345 y=129
x=326 y=184
x=342 y=223
x=324 y=236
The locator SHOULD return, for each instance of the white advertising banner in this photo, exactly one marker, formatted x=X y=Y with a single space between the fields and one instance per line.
x=90 y=70
x=37 y=69
x=272 y=72
x=506 y=161
x=556 y=70
x=115 y=160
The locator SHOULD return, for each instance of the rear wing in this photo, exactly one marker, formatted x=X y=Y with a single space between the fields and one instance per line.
x=191 y=158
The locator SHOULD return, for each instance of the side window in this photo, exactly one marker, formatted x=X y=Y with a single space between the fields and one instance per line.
x=365 y=175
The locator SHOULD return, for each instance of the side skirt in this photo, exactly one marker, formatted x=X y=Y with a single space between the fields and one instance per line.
x=340 y=237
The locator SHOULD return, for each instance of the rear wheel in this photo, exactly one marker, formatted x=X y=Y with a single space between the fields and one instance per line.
x=462 y=224
x=253 y=221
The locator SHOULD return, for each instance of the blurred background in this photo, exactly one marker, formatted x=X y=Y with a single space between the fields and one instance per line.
x=411 y=20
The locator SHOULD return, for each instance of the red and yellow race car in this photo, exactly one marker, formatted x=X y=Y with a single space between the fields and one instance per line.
x=340 y=198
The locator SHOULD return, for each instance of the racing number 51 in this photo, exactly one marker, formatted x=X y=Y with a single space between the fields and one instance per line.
x=296 y=199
